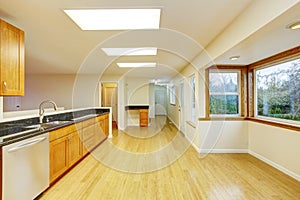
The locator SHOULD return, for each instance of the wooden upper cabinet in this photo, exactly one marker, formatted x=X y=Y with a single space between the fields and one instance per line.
x=11 y=60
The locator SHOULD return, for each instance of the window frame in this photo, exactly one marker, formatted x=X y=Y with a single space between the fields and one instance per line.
x=172 y=94
x=265 y=66
x=238 y=93
x=247 y=93
x=242 y=85
x=277 y=58
x=192 y=94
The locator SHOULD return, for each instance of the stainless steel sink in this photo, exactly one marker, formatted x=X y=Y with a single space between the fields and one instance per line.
x=47 y=124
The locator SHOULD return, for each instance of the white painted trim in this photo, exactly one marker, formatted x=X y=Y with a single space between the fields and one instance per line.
x=275 y=165
x=173 y=123
x=193 y=145
x=223 y=151
x=216 y=150
x=133 y=124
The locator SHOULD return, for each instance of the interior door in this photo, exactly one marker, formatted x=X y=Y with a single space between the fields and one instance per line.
x=181 y=108
x=110 y=98
x=160 y=100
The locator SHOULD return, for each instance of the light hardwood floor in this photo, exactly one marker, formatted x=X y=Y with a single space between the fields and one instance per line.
x=214 y=177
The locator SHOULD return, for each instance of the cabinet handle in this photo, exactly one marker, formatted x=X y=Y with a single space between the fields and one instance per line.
x=4 y=85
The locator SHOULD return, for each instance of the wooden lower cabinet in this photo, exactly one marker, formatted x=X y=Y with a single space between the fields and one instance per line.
x=88 y=135
x=75 y=148
x=65 y=150
x=59 y=159
x=143 y=117
x=106 y=124
x=103 y=123
x=71 y=143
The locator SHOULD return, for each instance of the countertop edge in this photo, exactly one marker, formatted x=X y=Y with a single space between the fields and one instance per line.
x=48 y=114
x=38 y=132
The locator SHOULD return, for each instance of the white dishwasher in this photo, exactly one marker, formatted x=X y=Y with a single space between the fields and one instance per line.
x=25 y=168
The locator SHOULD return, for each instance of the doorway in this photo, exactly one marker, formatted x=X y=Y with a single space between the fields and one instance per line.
x=181 y=108
x=109 y=98
x=160 y=100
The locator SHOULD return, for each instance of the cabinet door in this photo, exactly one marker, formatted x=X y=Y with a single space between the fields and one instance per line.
x=99 y=131
x=11 y=60
x=106 y=125
x=83 y=148
x=59 y=157
x=89 y=140
x=101 y=123
x=75 y=152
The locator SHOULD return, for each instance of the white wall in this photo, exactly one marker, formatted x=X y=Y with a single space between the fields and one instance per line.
x=277 y=146
x=151 y=101
x=61 y=89
x=39 y=87
x=137 y=91
x=218 y=136
x=223 y=136
x=122 y=118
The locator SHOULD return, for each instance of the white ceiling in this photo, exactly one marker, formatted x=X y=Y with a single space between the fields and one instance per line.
x=273 y=38
x=55 y=45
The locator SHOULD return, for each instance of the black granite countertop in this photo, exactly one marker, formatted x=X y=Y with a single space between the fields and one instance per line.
x=14 y=131
x=136 y=107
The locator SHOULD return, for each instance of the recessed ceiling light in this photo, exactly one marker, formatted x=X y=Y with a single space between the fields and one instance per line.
x=294 y=26
x=234 y=57
x=141 y=64
x=144 y=51
x=115 y=19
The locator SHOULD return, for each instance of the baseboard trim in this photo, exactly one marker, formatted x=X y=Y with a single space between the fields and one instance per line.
x=193 y=145
x=223 y=151
x=173 y=123
x=133 y=124
x=275 y=165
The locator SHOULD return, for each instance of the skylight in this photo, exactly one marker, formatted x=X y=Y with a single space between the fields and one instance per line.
x=115 y=19
x=136 y=64
x=143 y=51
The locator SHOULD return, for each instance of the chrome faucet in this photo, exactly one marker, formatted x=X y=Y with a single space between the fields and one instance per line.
x=42 y=111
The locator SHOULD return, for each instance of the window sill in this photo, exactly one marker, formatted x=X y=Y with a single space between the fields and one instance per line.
x=289 y=126
x=275 y=123
x=222 y=119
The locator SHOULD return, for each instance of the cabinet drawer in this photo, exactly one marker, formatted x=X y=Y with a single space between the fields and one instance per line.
x=89 y=143
x=88 y=122
x=88 y=132
x=61 y=132
x=78 y=126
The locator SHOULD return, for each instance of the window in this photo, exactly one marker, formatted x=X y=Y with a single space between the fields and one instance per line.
x=172 y=91
x=192 y=100
x=224 y=95
x=278 y=91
